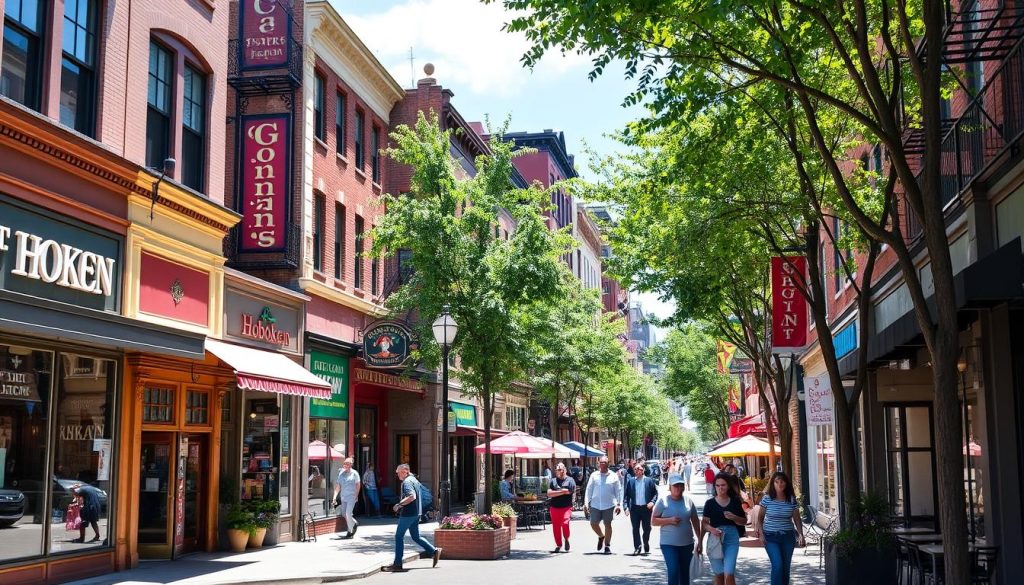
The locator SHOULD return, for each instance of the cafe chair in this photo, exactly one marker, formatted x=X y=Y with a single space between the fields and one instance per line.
x=924 y=571
x=983 y=564
x=813 y=533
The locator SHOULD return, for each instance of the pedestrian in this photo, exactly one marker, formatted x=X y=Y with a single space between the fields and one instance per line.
x=90 y=510
x=603 y=502
x=409 y=509
x=686 y=469
x=709 y=475
x=724 y=521
x=560 y=494
x=639 y=497
x=346 y=494
x=677 y=517
x=547 y=471
x=781 y=527
x=370 y=487
x=507 y=487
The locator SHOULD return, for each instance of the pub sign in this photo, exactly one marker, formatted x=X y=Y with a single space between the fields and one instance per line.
x=387 y=344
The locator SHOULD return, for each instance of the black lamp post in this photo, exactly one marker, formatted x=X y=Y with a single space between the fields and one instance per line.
x=445 y=330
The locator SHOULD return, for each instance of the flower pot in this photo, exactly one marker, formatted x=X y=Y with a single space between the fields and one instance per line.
x=237 y=539
x=476 y=545
x=273 y=535
x=867 y=565
x=256 y=539
x=510 y=524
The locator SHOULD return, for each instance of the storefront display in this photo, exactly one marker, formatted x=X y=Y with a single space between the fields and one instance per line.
x=328 y=430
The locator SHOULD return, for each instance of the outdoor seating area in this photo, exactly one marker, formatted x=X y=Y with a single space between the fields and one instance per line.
x=919 y=558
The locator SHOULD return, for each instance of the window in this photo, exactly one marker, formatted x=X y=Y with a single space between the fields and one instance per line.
x=339 y=241
x=374 y=155
x=158 y=405
x=318 y=108
x=374 y=271
x=197 y=407
x=319 y=223
x=360 y=122
x=78 y=64
x=193 y=143
x=340 y=107
x=158 y=112
x=515 y=418
x=357 y=279
x=825 y=459
x=20 y=72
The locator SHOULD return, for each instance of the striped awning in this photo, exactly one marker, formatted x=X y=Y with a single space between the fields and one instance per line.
x=265 y=371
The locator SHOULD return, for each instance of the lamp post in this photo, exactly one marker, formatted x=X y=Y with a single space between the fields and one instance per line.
x=445 y=329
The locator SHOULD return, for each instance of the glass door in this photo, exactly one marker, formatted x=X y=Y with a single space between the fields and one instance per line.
x=911 y=458
x=195 y=488
x=155 y=505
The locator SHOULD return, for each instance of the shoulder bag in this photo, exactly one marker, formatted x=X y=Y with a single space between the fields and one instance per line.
x=714 y=547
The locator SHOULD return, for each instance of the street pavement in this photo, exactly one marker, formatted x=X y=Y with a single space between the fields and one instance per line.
x=531 y=561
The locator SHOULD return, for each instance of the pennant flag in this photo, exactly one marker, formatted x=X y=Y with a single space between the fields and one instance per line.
x=725 y=352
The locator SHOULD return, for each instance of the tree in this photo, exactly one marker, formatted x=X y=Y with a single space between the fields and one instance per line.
x=492 y=285
x=874 y=64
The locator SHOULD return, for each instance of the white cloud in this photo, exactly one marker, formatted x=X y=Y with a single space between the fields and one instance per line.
x=465 y=42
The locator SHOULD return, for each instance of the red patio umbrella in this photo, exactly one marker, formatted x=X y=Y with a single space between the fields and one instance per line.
x=320 y=450
x=516 y=443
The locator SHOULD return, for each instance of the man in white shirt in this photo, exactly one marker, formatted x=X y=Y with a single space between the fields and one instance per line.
x=603 y=502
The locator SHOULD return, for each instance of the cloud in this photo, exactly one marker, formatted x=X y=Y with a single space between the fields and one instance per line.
x=465 y=42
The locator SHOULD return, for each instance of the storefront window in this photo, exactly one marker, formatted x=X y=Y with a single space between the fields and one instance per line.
x=826 y=460
x=327 y=449
x=261 y=447
x=286 y=455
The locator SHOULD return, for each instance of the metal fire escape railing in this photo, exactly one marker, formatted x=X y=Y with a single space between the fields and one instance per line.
x=992 y=120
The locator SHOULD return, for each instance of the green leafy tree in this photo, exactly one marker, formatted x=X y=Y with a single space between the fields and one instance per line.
x=491 y=285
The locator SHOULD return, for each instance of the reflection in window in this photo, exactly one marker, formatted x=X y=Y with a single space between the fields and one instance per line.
x=20 y=72
x=324 y=461
x=158 y=405
x=197 y=408
x=193 y=126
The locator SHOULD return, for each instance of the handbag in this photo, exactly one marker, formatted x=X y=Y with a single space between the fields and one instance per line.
x=696 y=567
x=74 y=521
x=714 y=547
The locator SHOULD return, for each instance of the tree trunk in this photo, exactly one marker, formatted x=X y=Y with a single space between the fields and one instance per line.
x=488 y=472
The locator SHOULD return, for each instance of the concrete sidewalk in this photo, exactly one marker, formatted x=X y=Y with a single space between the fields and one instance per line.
x=294 y=563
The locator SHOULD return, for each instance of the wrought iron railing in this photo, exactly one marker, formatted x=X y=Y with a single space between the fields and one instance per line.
x=283 y=78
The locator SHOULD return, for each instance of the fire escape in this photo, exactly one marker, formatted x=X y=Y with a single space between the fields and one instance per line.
x=984 y=119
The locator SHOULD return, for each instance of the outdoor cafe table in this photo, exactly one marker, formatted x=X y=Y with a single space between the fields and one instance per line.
x=924 y=538
x=531 y=507
x=935 y=551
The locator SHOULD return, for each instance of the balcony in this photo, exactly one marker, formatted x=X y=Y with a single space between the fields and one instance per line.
x=285 y=78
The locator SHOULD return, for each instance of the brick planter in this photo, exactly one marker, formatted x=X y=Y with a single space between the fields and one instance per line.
x=475 y=545
x=510 y=524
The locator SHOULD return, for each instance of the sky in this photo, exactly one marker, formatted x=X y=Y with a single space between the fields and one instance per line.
x=480 y=63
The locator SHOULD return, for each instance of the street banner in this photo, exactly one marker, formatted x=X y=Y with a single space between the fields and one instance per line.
x=818 y=400
x=725 y=352
x=734 y=395
x=789 y=307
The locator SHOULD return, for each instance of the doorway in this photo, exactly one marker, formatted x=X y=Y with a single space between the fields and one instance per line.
x=407 y=450
x=155 y=495
x=910 y=440
x=172 y=494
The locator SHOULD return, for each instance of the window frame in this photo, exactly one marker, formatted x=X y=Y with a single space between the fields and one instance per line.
x=35 y=40
x=360 y=145
x=200 y=133
x=319 y=226
x=340 y=126
x=357 y=277
x=340 y=216
x=319 y=129
x=374 y=153
x=91 y=31
x=154 y=108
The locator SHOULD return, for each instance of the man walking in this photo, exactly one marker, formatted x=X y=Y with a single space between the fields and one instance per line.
x=409 y=509
x=347 y=487
x=603 y=502
x=638 y=500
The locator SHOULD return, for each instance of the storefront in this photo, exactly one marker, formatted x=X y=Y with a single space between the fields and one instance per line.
x=328 y=430
x=462 y=457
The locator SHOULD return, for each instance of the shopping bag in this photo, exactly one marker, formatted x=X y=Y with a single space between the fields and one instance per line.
x=74 y=518
x=714 y=547
x=696 y=567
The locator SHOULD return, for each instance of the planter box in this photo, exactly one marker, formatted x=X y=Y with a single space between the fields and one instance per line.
x=475 y=545
x=874 y=566
x=510 y=524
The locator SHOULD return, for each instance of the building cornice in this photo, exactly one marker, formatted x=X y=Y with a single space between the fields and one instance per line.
x=316 y=288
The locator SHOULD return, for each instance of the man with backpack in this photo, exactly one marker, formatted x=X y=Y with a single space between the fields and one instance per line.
x=409 y=510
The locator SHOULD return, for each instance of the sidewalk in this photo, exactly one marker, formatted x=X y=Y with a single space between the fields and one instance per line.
x=293 y=563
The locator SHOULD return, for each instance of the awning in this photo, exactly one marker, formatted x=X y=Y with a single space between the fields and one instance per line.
x=265 y=371
x=61 y=321
x=747 y=425
x=472 y=431
x=747 y=445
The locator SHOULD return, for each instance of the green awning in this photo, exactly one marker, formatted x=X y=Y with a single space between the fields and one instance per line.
x=465 y=414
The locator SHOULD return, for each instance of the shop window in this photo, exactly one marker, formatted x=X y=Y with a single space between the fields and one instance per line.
x=340 y=107
x=20 y=73
x=193 y=126
x=325 y=461
x=158 y=405
x=318 y=108
x=360 y=130
x=826 y=462
x=197 y=407
x=265 y=451
x=78 y=66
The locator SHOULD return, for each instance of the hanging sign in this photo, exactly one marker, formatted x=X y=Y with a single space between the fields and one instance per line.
x=387 y=344
x=264 y=184
x=263 y=34
x=818 y=400
x=789 y=307
x=334 y=369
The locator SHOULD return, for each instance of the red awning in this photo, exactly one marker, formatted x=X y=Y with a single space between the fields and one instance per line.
x=753 y=424
x=471 y=431
x=265 y=371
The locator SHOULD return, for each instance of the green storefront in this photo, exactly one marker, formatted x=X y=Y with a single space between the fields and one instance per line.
x=328 y=429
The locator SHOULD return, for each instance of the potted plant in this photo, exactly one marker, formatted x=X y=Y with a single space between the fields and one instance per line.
x=269 y=516
x=472 y=537
x=507 y=513
x=864 y=551
x=260 y=522
x=241 y=524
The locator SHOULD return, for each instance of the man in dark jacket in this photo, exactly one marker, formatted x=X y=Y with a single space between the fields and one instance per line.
x=638 y=499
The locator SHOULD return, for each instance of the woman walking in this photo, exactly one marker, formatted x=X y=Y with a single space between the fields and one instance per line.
x=724 y=520
x=677 y=517
x=560 y=494
x=781 y=527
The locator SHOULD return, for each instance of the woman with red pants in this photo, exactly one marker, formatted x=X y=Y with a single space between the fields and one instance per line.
x=560 y=493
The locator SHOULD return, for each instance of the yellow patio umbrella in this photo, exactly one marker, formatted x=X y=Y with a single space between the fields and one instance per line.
x=747 y=445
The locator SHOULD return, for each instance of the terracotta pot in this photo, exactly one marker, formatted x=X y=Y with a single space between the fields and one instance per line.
x=256 y=540
x=238 y=539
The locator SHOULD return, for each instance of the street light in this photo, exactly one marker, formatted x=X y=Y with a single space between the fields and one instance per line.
x=445 y=329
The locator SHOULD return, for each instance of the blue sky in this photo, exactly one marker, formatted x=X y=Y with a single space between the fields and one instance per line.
x=479 y=62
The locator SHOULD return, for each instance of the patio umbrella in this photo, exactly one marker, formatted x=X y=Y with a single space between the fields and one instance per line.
x=559 y=451
x=748 y=445
x=517 y=443
x=318 y=450
x=583 y=450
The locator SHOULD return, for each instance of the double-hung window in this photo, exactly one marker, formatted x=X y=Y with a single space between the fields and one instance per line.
x=193 y=140
x=360 y=130
x=318 y=108
x=158 y=111
x=339 y=241
x=374 y=154
x=78 y=66
x=357 y=277
x=21 y=76
x=340 y=107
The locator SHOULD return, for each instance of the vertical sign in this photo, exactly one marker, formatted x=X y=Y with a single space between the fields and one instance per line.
x=264 y=185
x=789 y=307
x=263 y=34
x=818 y=400
x=333 y=369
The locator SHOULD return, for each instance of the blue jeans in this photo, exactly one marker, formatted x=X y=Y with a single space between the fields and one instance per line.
x=371 y=494
x=779 y=546
x=677 y=562
x=410 y=524
x=730 y=550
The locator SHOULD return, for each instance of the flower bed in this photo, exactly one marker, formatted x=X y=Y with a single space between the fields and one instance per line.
x=472 y=537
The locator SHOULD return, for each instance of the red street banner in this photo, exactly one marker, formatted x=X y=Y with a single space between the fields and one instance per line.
x=264 y=185
x=789 y=307
x=725 y=353
x=263 y=34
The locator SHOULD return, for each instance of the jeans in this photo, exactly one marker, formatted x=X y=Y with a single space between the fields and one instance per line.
x=348 y=503
x=410 y=524
x=641 y=516
x=560 y=523
x=677 y=562
x=779 y=546
x=374 y=498
x=730 y=550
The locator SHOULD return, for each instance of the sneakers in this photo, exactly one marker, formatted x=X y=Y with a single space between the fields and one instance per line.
x=437 y=555
x=393 y=569
x=607 y=550
x=600 y=543
x=566 y=545
x=647 y=549
x=558 y=549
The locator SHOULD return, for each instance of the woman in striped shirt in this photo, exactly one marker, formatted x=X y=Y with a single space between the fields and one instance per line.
x=781 y=527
